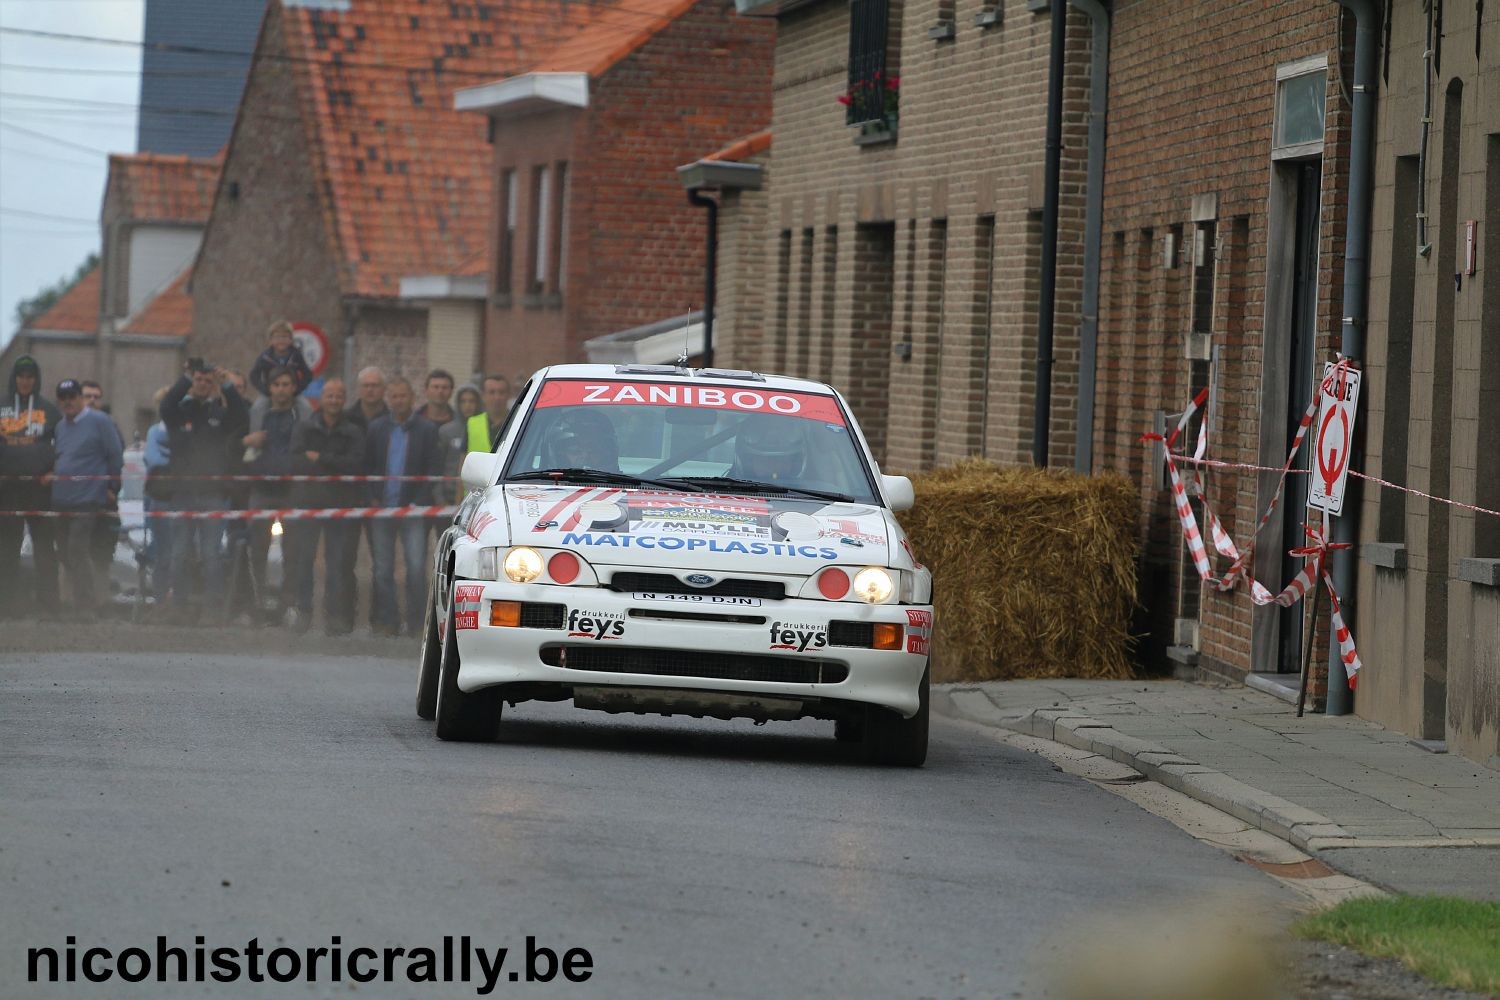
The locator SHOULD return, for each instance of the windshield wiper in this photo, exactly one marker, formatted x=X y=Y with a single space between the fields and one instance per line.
x=702 y=482
x=593 y=475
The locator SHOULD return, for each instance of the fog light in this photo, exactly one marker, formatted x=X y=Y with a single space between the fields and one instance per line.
x=887 y=636
x=873 y=585
x=563 y=567
x=505 y=614
x=275 y=529
x=522 y=565
x=833 y=584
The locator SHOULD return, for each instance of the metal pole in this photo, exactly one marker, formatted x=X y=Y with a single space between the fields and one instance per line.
x=1307 y=646
x=710 y=272
x=1093 y=228
x=1042 y=415
x=1356 y=286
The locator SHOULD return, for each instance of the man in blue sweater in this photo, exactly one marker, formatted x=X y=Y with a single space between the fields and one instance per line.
x=88 y=445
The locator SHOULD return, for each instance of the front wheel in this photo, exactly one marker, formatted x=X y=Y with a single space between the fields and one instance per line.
x=470 y=717
x=431 y=662
x=890 y=739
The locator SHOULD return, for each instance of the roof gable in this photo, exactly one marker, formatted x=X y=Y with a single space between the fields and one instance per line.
x=617 y=33
x=78 y=309
x=152 y=187
x=168 y=313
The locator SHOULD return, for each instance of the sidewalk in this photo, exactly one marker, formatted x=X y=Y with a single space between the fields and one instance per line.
x=1333 y=784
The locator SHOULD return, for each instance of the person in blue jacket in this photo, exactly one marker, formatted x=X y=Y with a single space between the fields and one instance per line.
x=88 y=445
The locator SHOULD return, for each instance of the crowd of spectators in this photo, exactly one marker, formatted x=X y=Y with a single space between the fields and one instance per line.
x=66 y=458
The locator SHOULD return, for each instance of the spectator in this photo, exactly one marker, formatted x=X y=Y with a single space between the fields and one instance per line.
x=88 y=445
x=400 y=444
x=452 y=437
x=28 y=425
x=281 y=352
x=439 y=390
x=201 y=427
x=107 y=527
x=330 y=444
x=484 y=428
x=158 y=462
x=268 y=452
x=371 y=402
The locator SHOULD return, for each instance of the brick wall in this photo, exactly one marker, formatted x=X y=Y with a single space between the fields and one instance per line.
x=966 y=164
x=266 y=253
x=635 y=246
x=1190 y=114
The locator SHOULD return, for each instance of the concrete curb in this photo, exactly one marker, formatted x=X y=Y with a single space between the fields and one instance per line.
x=1301 y=827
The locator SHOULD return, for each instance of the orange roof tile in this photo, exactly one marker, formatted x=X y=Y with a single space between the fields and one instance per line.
x=408 y=177
x=77 y=311
x=169 y=313
x=617 y=33
x=743 y=149
x=162 y=188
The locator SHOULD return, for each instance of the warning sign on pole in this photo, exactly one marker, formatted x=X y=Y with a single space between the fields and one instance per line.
x=1339 y=392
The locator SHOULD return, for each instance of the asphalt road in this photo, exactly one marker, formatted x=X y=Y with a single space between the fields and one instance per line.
x=293 y=798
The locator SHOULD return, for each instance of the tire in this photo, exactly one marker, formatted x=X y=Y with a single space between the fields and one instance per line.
x=472 y=717
x=431 y=662
x=891 y=740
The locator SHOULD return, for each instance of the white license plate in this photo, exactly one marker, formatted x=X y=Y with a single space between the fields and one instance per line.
x=738 y=602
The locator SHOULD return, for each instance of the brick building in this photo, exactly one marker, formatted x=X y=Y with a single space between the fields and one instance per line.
x=1429 y=574
x=348 y=169
x=591 y=233
x=902 y=231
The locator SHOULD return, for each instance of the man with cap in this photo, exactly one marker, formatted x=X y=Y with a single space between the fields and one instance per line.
x=28 y=424
x=89 y=459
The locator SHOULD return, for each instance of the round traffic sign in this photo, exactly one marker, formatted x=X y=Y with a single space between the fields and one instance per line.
x=314 y=344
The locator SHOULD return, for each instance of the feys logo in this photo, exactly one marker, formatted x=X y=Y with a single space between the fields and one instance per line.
x=596 y=625
x=798 y=637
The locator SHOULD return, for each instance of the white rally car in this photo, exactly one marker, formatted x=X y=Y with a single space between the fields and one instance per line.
x=681 y=541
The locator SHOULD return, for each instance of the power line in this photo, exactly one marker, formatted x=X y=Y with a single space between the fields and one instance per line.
x=34 y=155
x=46 y=217
x=93 y=71
x=54 y=139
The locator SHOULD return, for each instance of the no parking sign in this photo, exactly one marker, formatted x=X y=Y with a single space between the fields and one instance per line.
x=1339 y=392
x=314 y=344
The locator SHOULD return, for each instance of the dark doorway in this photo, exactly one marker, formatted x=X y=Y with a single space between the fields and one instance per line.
x=1303 y=347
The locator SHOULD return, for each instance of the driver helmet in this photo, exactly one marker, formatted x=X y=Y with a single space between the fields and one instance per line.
x=584 y=439
x=771 y=449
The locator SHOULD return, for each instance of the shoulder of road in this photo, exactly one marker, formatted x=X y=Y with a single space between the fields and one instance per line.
x=1364 y=799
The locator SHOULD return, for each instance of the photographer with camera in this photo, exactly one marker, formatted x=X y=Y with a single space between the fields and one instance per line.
x=206 y=417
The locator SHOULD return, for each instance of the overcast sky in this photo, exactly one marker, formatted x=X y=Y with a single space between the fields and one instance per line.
x=41 y=83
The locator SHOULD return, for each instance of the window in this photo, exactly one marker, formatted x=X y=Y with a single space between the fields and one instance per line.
x=1300 y=91
x=541 y=221
x=509 y=207
x=560 y=227
x=871 y=97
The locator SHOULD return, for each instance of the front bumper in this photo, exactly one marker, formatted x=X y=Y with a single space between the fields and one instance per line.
x=608 y=631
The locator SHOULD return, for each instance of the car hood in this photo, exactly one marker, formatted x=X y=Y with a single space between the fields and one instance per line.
x=758 y=534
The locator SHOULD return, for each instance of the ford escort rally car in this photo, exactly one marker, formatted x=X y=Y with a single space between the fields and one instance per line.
x=656 y=539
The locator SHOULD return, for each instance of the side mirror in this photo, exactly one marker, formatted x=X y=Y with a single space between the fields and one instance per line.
x=898 y=492
x=478 y=472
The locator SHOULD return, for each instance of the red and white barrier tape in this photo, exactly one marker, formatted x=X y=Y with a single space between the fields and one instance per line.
x=244 y=478
x=1315 y=555
x=285 y=514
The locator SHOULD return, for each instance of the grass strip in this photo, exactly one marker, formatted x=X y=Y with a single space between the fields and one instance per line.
x=1452 y=941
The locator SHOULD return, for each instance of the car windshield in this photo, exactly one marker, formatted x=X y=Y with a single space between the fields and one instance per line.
x=767 y=440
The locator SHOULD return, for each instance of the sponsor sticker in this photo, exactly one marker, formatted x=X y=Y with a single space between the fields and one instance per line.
x=596 y=625
x=724 y=546
x=466 y=601
x=918 y=632
x=610 y=392
x=798 y=637
x=478 y=523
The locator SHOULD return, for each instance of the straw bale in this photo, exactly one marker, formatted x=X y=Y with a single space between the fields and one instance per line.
x=1034 y=570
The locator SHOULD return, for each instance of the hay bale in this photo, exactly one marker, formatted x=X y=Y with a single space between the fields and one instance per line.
x=1033 y=570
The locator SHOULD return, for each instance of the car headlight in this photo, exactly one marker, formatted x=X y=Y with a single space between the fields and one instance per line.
x=873 y=585
x=522 y=564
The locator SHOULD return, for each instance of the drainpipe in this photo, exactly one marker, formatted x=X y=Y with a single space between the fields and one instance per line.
x=697 y=197
x=1356 y=286
x=1093 y=231
x=1042 y=415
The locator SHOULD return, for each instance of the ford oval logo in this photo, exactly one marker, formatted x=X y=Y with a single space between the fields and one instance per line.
x=699 y=580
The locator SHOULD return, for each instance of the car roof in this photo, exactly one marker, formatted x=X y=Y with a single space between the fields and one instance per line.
x=694 y=376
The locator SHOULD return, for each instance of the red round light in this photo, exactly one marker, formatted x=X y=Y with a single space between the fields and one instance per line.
x=833 y=584
x=563 y=567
